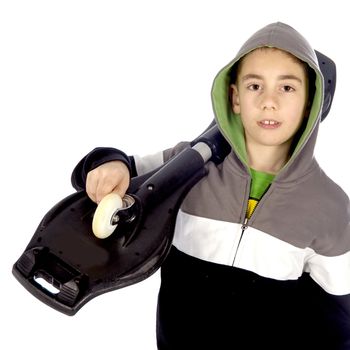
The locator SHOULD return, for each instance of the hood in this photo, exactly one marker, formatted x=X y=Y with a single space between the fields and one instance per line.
x=284 y=37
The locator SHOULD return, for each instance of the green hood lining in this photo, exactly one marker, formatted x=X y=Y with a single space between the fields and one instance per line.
x=231 y=125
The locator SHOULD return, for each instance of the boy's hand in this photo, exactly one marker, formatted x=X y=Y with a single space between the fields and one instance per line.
x=109 y=177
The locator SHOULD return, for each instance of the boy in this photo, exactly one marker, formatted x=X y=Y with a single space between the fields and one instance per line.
x=261 y=250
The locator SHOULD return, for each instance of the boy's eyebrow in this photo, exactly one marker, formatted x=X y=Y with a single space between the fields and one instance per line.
x=290 y=77
x=252 y=76
x=280 y=77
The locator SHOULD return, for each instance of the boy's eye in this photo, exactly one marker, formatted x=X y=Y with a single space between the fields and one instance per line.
x=254 y=87
x=287 y=88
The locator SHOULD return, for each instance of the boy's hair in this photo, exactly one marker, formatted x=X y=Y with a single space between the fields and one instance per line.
x=310 y=73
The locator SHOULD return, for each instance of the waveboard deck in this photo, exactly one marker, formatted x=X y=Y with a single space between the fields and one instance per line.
x=65 y=255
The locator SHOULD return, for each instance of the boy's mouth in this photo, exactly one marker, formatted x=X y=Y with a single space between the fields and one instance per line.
x=269 y=124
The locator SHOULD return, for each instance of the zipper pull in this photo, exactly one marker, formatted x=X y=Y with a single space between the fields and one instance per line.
x=244 y=225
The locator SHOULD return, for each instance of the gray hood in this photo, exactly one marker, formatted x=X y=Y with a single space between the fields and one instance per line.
x=284 y=37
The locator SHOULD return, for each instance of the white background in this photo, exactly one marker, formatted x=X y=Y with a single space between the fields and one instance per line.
x=135 y=75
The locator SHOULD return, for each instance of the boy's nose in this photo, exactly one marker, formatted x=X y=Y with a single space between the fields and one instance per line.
x=269 y=102
x=269 y=107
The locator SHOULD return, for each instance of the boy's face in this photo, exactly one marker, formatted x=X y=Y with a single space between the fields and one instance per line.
x=270 y=95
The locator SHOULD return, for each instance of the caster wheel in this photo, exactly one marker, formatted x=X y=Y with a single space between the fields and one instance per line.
x=103 y=224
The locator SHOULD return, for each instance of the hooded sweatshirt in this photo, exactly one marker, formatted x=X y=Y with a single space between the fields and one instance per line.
x=278 y=278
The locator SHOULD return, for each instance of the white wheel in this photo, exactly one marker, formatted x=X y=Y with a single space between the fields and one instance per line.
x=102 y=223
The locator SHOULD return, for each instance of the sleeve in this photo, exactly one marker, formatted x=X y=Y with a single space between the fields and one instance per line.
x=329 y=294
x=327 y=316
x=95 y=158
x=137 y=165
x=145 y=164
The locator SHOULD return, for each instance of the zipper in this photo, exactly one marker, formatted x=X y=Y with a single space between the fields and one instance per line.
x=243 y=229
x=244 y=226
x=246 y=220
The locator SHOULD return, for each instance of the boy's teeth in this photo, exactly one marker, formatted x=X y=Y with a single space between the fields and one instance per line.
x=269 y=122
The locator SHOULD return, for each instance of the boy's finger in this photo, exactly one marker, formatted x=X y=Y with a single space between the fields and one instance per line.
x=102 y=190
x=119 y=190
x=91 y=187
